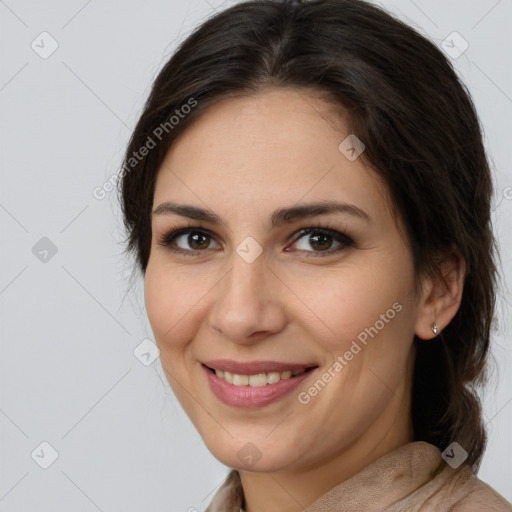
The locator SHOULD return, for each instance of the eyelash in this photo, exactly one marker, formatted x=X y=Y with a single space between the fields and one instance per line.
x=168 y=238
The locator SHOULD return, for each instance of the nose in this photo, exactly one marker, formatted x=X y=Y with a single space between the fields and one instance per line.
x=248 y=302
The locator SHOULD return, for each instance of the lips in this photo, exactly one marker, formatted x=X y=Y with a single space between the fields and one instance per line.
x=255 y=367
x=256 y=383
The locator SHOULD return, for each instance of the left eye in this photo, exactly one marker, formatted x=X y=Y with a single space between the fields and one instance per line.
x=322 y=239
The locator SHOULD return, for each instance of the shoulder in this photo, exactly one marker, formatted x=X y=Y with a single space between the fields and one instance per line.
x=476 y=495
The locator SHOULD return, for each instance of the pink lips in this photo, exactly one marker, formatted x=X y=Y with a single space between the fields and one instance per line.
x=254 y=367
x=249 y=396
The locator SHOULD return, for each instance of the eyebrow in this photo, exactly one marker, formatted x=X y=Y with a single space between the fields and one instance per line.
x=279 y=217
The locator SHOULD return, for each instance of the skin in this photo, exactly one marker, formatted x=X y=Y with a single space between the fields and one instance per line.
x=242 y=159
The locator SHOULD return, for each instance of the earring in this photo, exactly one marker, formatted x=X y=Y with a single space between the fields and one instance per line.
x=434 y=328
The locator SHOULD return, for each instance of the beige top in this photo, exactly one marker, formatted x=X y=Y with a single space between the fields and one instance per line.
x=413 y=478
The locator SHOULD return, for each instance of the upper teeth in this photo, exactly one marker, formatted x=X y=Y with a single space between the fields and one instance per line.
x=259 y=379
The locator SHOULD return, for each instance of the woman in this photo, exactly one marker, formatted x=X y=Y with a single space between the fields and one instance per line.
x=308 y=198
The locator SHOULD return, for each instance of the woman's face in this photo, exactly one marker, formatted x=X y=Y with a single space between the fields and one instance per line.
x=251 y=294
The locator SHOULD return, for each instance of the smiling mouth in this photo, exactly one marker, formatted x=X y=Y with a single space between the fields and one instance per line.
x=258 y=379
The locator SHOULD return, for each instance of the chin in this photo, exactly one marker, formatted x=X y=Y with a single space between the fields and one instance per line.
x=254 y=456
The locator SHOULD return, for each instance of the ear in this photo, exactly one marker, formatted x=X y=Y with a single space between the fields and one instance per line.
x=440 y=299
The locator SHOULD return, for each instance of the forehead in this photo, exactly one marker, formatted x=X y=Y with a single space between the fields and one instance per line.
x=268 y=150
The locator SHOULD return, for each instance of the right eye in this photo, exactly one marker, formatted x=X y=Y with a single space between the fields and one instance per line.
x=196 y=240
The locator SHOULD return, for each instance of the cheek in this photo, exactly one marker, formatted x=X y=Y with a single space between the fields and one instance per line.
x=357 y=301
x=171 y=300
x=368 y=310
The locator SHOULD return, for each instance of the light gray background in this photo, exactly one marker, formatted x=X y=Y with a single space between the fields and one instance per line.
x=68 y=375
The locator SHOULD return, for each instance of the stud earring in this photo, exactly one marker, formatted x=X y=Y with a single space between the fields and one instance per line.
x=434 y=328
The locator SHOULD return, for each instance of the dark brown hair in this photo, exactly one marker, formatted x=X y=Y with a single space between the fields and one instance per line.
x=403 y=99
